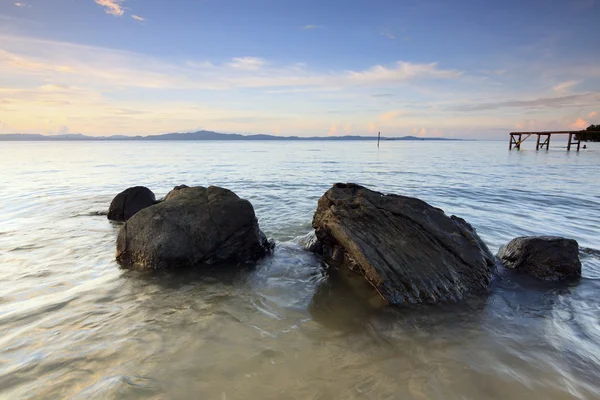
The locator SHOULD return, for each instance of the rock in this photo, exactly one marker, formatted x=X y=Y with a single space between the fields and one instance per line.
x=192 y=227
x=546 y=257
x=175 y=191
x=407 y=250
x=127 y=203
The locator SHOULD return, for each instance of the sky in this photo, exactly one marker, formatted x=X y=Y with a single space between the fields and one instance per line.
x=433 y=68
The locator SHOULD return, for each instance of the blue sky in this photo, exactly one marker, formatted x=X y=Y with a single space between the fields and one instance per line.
x=477 y=69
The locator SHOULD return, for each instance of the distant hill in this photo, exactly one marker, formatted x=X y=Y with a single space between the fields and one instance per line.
x=200 y=135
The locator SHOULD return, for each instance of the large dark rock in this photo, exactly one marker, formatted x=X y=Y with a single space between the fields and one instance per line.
x=546 y=257
x=192 y=226
x=127 y=203
x=407 y=250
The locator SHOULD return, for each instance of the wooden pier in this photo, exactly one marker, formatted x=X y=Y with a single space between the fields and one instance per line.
x=543 y=139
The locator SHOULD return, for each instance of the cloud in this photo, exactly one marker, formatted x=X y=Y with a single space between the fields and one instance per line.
x=309 y=27
x=579 y=123
x=391 y=115
x=22 y=5
x=372 y=127
x=565 y=86
x=247 y=63
x=402 y=72
x=576 y=100
x=112 y=7
x=27 y=64
x=332 y=130
x=138 y=18
x=527 y=125
x=382 y=95
x=388 y=35
x=89 y=65
x=593 y=114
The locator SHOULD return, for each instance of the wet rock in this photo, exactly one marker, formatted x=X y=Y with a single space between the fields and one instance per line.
x=545 y=257
x=127 y=203
x=175 y=192
x=409 y=251
x=193 y=226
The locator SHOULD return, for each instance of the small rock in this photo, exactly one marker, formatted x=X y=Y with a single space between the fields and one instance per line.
x=127 y=203
x=545 y=257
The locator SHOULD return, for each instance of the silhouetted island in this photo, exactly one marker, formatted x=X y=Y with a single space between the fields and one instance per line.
x=200 y=135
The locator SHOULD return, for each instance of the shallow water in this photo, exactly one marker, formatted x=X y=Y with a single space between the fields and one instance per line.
x=75 y=325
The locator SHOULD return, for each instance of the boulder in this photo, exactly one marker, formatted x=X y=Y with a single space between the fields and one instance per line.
x=409 y=251
x=175 y=191
x=127 y=203
x=545 y=257
x=192 y=227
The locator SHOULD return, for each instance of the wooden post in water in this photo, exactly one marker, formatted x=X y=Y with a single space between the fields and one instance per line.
x=537 y=145
x=569 y=145
x=378 y=138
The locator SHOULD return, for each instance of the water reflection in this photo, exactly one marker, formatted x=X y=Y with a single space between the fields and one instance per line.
x=75 y=325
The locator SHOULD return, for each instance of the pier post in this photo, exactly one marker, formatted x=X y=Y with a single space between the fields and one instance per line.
x=548 y=142
x=569 y=145
x=537 y=145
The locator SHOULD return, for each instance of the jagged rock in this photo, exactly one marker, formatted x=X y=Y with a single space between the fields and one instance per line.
x=409 y=251
x=191 y=227
x=127 y=203
x=545 y=257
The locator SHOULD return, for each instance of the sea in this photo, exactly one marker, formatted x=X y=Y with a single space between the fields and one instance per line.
x=76 y=325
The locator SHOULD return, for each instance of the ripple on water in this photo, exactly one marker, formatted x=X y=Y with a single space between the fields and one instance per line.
x=75 y=325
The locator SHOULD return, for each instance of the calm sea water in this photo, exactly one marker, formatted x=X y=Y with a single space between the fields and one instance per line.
x=75 y=325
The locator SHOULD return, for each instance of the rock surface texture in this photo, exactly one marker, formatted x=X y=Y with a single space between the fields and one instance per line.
x=546 y=257
x=409 y=251
x=193 y=226
x=127 y=203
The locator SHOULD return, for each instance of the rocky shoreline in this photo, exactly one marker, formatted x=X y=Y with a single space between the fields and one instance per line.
x=408 y=251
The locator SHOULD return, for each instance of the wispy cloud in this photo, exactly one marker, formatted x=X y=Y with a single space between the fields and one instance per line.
x=388 y=35
x=138 y=18
x=402 y=72
x=22 y=5
x=87 y=88
x=577 y=100
x=593 y=114
x=112 y=7
x=308 y=27
x=26 y=64
x=565 y=86
x=247 y=63
x=391 y=115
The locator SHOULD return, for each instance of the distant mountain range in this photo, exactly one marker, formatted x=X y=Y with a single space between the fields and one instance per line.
x=200 y=135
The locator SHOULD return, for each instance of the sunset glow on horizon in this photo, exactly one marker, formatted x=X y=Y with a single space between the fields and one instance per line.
x=423 y=68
